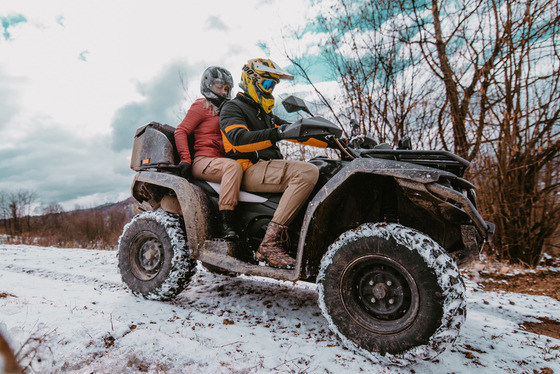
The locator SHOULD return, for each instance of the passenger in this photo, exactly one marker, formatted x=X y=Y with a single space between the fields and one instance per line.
x=208 y=162
x=250 y=133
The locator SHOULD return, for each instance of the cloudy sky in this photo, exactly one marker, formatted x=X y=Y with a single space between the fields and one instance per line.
x=77 y=78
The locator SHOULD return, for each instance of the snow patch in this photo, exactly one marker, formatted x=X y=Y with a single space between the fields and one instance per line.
x=278 y=326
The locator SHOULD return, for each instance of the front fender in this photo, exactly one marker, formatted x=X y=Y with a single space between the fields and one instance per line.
x=398 y=170
x=410 y=177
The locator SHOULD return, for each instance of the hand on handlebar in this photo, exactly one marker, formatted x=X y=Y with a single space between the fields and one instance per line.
x=282 y=131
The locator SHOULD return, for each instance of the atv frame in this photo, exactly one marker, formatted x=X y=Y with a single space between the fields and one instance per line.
x=382 y=234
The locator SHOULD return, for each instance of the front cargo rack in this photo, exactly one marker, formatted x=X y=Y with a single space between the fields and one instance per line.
x=442 y=160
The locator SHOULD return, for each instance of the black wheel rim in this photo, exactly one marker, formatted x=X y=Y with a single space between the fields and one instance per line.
x=146 y=257
x=379 y=294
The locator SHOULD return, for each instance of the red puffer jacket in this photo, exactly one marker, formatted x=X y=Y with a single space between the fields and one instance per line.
x=205 y=126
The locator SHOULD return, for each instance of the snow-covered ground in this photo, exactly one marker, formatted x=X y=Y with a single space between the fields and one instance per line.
x=66 y=310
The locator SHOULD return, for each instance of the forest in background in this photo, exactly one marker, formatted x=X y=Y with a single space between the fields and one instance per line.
x=94 y=228
x=479 y=78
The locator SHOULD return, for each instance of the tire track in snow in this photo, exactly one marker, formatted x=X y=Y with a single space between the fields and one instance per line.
x=68 y=265
x=65 y=277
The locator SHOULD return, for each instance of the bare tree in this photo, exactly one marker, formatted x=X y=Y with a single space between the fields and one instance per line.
x=377 y=76
x=524 y=102
x=479 y=77
x=460 y=43
x=4 y=210
x=15 y=208
x=52 y=208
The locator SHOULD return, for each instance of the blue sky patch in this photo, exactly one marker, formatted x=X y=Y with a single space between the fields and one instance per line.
x=83 y=56
x=316 y=67
x=264 y=47
x=10 y=21
x=215 y=23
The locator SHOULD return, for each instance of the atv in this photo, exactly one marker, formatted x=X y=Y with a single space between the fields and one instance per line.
x=382 y=235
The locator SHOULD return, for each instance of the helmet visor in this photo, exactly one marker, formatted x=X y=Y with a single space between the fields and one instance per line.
x=267 y=85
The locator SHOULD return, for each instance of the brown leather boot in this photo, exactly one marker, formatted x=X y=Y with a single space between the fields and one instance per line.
x=272 y=250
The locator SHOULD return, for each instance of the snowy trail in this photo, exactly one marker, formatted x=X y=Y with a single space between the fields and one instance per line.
x=71 y=312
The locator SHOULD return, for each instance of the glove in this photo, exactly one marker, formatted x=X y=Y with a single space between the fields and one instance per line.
x=282 y=131
x=184 y=169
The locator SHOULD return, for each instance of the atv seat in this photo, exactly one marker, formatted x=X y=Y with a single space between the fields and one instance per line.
x=213 y=189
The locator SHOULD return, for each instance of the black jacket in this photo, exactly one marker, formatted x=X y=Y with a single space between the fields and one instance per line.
x=249 y=134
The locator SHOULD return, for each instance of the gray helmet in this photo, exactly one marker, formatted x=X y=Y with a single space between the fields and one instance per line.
x=215 y=75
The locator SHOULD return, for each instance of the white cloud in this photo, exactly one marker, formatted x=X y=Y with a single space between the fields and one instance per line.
x=74 y=65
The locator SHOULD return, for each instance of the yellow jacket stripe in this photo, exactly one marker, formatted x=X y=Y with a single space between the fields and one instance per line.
x=246 y=148
x=229 y=128
x=311 y=142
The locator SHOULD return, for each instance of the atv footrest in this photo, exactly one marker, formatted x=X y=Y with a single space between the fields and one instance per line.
x=219 y=246
x=218 y=253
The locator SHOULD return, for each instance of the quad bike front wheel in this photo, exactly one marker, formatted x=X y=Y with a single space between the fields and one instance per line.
x=391 y=293
x=154 y=259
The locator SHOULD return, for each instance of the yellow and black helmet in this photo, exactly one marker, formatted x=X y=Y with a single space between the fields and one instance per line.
x=258 y=79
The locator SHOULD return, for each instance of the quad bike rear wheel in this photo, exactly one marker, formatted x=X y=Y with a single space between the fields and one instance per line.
x=154 y=258
x=391 y=293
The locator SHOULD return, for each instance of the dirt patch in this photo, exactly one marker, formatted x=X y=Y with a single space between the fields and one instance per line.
x=546 y=327
x=543 y=282
x=539 y=282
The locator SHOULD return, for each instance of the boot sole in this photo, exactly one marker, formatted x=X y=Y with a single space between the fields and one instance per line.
x=265 y=260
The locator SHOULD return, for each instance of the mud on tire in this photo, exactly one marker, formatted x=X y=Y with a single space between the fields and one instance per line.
x=154 y=259
x=391 y=293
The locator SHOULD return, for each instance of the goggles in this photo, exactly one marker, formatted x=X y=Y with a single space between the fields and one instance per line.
x=267 y=85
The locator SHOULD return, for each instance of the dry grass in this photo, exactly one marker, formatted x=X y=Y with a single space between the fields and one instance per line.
x=8 y=358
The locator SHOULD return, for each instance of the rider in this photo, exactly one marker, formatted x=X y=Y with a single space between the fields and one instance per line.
x=208 y=163
x=250 y=133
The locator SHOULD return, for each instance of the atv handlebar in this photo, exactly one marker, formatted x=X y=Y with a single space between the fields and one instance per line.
x=313 y=127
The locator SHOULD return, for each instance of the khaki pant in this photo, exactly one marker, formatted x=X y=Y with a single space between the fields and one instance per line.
x=295 y=179
x=225 y=171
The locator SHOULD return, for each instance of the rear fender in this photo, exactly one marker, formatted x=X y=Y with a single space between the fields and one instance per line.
x=193 y=202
